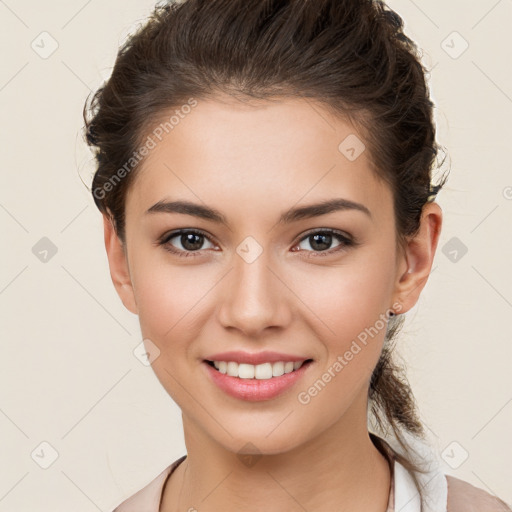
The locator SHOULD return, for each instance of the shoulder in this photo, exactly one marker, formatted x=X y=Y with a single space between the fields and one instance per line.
x=148 y=498
x=464 y=497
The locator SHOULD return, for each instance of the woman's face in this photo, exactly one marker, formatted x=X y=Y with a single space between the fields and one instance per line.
x=265 y=279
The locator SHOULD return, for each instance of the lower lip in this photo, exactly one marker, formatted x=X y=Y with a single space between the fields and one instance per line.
x=255 y=389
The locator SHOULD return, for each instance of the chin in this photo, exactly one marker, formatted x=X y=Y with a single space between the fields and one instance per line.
x=256 y=440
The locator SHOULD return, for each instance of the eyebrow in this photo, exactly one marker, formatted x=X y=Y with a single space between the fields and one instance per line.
x=287 y=217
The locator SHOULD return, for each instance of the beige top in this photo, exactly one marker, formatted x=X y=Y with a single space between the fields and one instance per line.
x=448 y=494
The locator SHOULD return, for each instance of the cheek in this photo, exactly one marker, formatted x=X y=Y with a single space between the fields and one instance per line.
x=337 y=308
x=351 y=321
x=169 y=296
x=351 y=304
x=341 y=300
x=170 y=300
x=347 y=298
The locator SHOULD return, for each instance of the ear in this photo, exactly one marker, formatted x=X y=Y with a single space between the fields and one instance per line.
x=416 y=259
x=118 y=263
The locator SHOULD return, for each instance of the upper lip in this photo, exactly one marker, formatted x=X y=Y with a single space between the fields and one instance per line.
x=255 y=358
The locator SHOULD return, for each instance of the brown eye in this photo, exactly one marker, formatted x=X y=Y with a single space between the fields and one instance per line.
x=321 y=241
x=187 y=241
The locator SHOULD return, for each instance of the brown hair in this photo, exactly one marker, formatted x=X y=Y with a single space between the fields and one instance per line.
x=352 y=56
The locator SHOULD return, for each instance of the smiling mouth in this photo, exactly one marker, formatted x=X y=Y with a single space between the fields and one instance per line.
x=264 y=371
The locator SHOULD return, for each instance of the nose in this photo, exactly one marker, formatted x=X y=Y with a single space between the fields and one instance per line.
x=254 y=297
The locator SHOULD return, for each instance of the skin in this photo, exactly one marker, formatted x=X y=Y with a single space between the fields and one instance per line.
x=252 y=162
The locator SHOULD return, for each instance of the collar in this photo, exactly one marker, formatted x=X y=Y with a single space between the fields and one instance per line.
x=433 y=482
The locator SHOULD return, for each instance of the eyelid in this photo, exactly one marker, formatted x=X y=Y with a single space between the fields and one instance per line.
x=349 y=240
x=338 y=232
x=164 y=239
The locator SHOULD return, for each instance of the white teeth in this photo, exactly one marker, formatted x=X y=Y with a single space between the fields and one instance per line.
x=232 y=370
x=246 y=371
x=278 y=369
x=260 y=371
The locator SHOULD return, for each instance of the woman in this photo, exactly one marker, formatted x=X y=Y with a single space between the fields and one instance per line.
x=264 y=174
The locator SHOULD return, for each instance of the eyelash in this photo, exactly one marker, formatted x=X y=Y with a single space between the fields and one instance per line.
x=346 y=242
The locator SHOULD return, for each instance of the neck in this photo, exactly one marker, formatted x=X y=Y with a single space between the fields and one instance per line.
x=340 y=469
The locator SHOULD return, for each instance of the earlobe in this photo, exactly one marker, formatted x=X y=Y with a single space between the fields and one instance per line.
x=419 y=255
x=118 y=263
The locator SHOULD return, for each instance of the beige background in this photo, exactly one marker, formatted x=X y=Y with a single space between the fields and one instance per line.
x=68 y=375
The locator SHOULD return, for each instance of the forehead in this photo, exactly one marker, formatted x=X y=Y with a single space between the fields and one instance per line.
x=257 y=156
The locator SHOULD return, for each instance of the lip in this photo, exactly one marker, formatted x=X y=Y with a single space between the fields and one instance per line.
x=255 y=358
x=255 y=390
